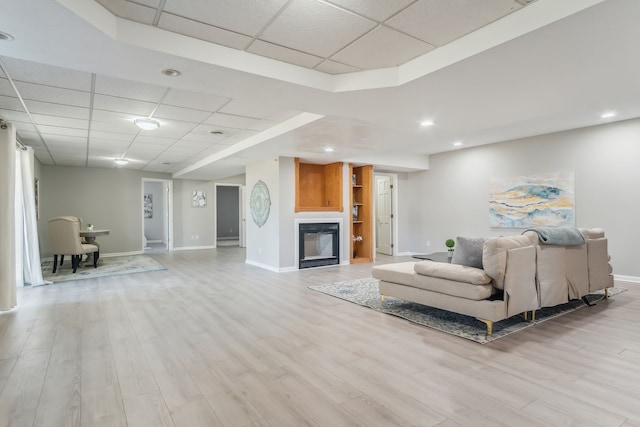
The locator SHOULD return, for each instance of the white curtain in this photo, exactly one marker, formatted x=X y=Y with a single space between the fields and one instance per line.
x=27 y=239
x=7 y=216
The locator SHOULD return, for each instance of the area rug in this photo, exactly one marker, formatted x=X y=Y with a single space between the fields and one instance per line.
x=364 y=292
x=106 y=267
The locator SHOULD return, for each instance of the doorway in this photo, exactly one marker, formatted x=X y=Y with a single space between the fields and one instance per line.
x=157 y=221
x=385 y=213
x=229 y=218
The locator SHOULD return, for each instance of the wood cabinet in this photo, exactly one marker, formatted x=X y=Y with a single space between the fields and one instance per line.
x=361 y=213
x=318 y=187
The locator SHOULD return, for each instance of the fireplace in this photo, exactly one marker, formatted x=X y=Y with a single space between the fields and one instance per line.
x=319 y=244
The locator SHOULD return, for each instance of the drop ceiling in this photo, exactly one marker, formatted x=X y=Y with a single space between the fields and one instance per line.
x=290 y=78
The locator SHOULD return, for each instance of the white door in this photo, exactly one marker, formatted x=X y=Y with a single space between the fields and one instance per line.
x=384 y=216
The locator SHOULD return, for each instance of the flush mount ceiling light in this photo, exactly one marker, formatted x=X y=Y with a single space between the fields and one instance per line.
x=427 y=123
x=121 y=161
x=6 y=37
x=147 y=124
x=608 y=115
x=457 y=144
x=329 y=150
x=170 y=72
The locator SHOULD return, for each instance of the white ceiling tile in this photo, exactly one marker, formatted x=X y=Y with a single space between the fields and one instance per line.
x=128 y=10
x=378 y=10
x=111 y=136
x=27 y=71
x=262 y=125
x=10 y=103
x=170 y=129
x=129 y=89
x=241 y=135
x=206 y=130
x=230 y=121
x=60 y=110
x=150 y=3
x=140 y=150
x=192 y=145
x=100 y=162
x=172 y=157
x=56 y=142
x=108 y=144
x=285 y=54
x=30 y=138
x=6 y=89
x=331 y=67
x=58 y=95
x=188 y=27
x=255 y=110
x=24 y=127
x=123 y=105
x=66 y=161
x=106 y=151
x=118 y=126
x=381 y=48
x=242 y=16
x=196 y=101
x=319 y=28
x=55 y=130
x=182 y=150
x=44 y=157
x=17 y=116
x=182 y=114
x=41 y=119
x=202 y=137
x=150 y=139
x=449 y=19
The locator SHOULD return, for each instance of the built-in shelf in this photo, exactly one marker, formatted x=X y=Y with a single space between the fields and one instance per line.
x=362 y=213
x=318 y=187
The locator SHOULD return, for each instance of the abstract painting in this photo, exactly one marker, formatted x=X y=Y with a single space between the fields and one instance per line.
x=199 y=199
x=546 y=200
x=148 y=205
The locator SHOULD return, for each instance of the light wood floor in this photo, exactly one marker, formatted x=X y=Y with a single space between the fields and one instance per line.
x=215 y=342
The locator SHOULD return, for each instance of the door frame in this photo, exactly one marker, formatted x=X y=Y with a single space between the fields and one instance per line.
x=394 y=212
x=241 y=213
x=167 y=209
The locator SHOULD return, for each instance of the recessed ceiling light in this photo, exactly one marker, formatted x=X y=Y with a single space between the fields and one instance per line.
x=216 y=132
x=427 y=123
x=121 y=161
x=329 y=150
x=170 y=72
x=608 y=115
x=147 y=124
x=6 y=37
x=457 y=144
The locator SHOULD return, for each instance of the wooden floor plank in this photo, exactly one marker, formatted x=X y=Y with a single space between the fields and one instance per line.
x=214 y=341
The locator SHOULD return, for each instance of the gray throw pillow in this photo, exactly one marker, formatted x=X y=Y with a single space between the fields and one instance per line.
x=468 y=251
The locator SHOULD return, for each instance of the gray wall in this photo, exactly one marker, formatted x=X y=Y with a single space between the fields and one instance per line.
x=227 y=212
x=451 y=199
x=192 y=226
x=107 y=198
x=154 y=226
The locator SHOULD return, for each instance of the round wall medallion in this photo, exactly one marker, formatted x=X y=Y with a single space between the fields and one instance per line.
x=260 y=203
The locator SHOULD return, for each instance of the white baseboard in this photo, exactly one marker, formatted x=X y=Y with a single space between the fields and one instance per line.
x=628 y=279
x=193 y=248
x=154 y=241
x=265 y=266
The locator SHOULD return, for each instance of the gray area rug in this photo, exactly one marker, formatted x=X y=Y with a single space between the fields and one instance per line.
x=106 y=267
x=364 y=292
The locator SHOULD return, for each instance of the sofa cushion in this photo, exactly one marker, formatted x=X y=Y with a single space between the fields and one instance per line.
x=468 y=251
x=459 y=273
x=494 y=256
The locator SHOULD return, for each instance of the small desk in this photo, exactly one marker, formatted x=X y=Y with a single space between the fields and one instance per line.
x=90 y=235
x=436 y=256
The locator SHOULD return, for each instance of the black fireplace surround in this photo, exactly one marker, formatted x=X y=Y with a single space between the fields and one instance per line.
x=319 y=244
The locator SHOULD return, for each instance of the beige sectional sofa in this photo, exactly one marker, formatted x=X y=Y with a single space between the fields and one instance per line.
x=519 y=274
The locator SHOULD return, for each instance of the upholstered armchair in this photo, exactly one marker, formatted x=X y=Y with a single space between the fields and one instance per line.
x=65 y=236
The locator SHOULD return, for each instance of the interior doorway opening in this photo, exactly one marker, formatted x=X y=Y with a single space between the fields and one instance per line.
x=157 y=219
x=229 y=217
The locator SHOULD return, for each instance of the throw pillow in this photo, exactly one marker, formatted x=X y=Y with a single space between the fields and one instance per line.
x=468 y=251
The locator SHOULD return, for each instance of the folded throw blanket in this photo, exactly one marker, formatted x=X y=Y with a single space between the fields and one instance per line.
x=564 y=236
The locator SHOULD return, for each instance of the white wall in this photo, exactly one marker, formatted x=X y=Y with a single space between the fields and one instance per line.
x=451 y=199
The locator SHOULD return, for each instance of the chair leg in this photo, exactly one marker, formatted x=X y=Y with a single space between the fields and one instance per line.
x=75 y=260
x=55 y=263
x=96 y=255
x=61 y=260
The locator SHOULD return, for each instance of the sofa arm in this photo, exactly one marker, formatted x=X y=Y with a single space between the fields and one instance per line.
x=456 y=272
